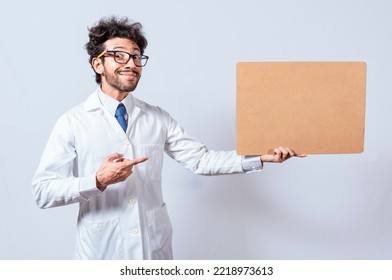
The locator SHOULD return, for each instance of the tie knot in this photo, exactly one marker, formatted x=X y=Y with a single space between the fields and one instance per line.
x=121 y=111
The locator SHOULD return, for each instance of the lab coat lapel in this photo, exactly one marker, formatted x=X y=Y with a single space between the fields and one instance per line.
x=135 y=112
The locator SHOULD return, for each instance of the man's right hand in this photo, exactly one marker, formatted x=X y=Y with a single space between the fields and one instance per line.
x=115 y=168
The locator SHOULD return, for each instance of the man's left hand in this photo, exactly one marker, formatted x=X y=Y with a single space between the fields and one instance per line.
x=280 y=155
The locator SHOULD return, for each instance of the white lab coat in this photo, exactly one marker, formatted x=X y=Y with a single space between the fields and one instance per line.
x=129 y=220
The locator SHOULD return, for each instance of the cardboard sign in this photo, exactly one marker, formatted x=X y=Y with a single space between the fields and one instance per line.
x=311 y=107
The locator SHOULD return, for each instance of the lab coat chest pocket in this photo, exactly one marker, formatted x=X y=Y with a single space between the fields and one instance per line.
x=160 y=232
x=152 y=168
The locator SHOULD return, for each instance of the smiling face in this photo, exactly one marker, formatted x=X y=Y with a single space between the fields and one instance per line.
x=118 y=79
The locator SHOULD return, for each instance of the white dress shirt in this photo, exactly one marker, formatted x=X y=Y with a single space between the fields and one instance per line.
x=129 y=220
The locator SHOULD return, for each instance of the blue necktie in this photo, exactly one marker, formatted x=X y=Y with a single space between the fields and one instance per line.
x=120 y=116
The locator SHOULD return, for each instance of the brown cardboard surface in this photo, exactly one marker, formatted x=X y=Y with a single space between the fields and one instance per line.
x=311 y=107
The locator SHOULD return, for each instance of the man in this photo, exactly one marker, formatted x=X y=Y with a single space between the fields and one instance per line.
x=106 y=154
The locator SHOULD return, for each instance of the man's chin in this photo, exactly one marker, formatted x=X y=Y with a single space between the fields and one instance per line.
x=127 y=89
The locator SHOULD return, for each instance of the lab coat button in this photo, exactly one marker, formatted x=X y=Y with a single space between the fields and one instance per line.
x=132 y=201
x=135 y=231
x=126 y=142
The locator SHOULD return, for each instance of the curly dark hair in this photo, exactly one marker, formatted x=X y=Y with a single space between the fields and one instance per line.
x=113 y=27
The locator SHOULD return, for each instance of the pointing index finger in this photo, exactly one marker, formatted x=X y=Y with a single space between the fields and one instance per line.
x=137 y=160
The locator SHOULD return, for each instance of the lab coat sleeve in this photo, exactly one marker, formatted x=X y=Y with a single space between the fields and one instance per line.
x=55 y=183
x=195 y=156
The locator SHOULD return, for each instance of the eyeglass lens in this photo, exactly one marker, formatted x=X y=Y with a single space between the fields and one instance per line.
x=124 y=57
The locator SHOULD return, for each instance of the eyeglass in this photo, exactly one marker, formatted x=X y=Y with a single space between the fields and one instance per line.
x=123 y=57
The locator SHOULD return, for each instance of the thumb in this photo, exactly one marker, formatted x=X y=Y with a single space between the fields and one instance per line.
x=114 y=157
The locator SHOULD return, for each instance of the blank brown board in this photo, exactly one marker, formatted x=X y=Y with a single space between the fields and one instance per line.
x=311 y=107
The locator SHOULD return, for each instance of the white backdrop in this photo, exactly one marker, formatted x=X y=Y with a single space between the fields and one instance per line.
x=321 y=207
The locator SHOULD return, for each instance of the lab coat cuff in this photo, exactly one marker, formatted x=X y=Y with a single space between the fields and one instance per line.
x=251 y=164
x=88 y=187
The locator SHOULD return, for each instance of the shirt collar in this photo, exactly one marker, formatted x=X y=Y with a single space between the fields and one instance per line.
x=94 y=103
x=111 y=104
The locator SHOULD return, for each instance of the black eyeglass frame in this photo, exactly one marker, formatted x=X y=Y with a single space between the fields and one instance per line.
x=135 y=57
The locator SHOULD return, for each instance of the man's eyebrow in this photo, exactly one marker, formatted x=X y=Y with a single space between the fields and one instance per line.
x=123 y=48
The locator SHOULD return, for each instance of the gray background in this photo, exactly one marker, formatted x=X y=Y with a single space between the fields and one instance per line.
x=321 y=207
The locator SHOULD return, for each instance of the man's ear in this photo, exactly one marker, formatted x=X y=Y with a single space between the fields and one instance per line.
x=97 y=65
